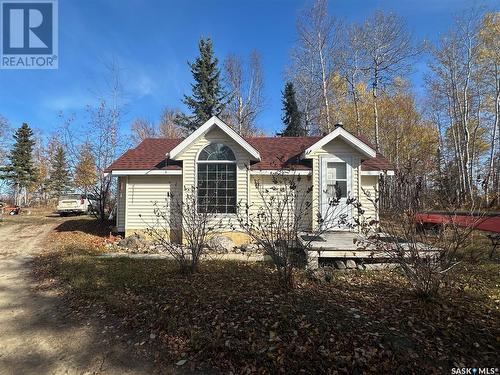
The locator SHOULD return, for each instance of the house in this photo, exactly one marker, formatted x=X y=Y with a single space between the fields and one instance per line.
x=157 y=167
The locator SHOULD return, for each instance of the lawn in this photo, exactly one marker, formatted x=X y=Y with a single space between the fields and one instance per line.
x=233 y=316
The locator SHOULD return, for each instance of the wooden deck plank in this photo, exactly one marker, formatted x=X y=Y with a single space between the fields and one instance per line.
x=342 y=245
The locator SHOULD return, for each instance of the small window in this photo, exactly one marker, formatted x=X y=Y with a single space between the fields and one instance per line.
x=216 y=179
x=336 y=179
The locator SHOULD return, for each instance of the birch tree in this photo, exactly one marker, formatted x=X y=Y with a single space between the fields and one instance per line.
x=489 y=59
x=245 y=84
x=348 y=62
x=316 y=35
x=102 y=137
x=386 y=49
x=455 y=84
x=301 y=72
x=142 y=129
x=167 y=127
x=85 y=175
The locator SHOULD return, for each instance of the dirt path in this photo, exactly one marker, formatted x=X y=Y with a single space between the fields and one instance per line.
x=35 y=337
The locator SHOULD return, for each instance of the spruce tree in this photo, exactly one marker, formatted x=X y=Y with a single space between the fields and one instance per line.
x=208 y=98
x=291 y=116
x=20 y=171
x=59 y=179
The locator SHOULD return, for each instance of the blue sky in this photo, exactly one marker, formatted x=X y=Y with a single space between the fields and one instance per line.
x=153 y=40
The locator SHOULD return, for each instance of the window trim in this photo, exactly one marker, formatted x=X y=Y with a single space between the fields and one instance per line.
x=216 y=162
x=337 y=157
x=346 y=179
x=235 y=162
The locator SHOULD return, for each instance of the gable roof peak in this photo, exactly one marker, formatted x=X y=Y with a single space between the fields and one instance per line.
x=340 y=132
x=211 y=122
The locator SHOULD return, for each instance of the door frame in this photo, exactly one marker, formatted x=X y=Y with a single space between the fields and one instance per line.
x=324 y=159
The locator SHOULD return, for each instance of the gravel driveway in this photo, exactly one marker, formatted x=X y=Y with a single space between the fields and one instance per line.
x=35 y=336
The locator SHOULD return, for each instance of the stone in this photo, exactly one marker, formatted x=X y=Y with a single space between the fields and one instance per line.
x=132 y=242
x=350 y=263
x=340 y=265
x=221 y=244
x=380 y=266
x=182 y=362
x=312 y=262
x=250 y=248
x=321 y=274
x=360 y=266
x=327 y=274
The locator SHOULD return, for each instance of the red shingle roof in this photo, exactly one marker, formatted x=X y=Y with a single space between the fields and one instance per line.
x=280 y=152
x=275 y=152
x=150 y=154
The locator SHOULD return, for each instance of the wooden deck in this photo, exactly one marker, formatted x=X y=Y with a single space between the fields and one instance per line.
x=339 y=244
x=342 y=245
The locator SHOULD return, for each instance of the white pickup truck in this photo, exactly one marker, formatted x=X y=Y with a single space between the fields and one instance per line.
x=76 y=204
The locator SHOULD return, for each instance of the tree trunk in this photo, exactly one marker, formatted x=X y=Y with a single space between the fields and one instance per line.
x=351 y=81
x=375 y=109
x=493 y=146
x=324 y=79
x=465 y=128
x=240 y=115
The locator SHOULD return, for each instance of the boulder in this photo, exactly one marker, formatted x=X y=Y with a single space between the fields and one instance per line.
x=222 y=244
x=350 y=263
x=250 y=248
x=380 y=266
x=340 y=265
x=321 y=274
x=132 y=242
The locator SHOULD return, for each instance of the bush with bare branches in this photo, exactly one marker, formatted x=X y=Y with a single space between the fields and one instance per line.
x=425 y=253
x=181 y=229
x=280 y=222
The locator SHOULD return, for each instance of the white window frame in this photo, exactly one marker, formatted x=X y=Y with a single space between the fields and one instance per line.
x=198 y=162
x=324 y=160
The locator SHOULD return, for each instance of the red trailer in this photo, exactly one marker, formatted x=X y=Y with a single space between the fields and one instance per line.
x=488 y=222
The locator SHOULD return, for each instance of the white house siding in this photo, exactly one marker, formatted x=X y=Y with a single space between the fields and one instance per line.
x=336 y=147
x=266 y=182
x=189 y=158
x=141 y=191
x=368 y=196
x=120 y=207
x=141 y=194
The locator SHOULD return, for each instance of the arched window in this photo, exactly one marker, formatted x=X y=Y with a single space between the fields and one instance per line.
x=217 y=151
x=217 y=179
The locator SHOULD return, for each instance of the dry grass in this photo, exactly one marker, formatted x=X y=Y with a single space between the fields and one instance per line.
x=232 y=316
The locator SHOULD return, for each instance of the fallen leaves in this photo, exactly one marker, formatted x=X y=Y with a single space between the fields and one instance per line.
x=232 y=316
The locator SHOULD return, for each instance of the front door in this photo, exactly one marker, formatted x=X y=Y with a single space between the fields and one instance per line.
x=336 y=187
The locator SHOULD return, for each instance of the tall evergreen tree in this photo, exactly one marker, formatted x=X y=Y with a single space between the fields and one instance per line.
x=20 y=171
x=291 y=116
x=208 y=97
x=59 y=179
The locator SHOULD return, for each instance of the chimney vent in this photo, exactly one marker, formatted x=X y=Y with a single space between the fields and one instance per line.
x=339 y=125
